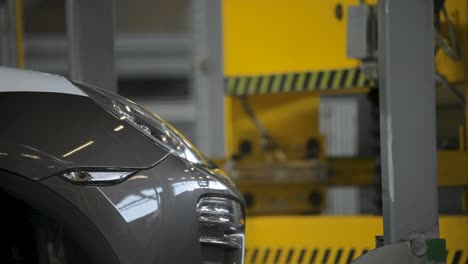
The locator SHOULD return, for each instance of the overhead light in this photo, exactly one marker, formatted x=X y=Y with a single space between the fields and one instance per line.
x=78 y=148
x=119 y=128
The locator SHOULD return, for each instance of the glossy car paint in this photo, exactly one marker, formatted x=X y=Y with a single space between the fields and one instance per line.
x=151 y=217
x=77 y=225
x=47 y=132
x=148 y=218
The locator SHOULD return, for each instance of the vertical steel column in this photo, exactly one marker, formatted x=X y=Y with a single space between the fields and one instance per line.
x=90 y=26
x=208 y=84
x=11 y=31
x=407 y=120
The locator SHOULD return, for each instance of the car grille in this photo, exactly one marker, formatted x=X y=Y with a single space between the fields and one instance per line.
x=221 y=231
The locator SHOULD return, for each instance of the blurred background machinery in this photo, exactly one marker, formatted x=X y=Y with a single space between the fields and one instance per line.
x=283 y=95
x=275 y=77
x=158 y=60
x=278 y=57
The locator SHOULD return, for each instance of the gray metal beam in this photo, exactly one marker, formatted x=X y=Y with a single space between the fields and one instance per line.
x=140 y=55
x=173 y=110
x=90 y=29
x=407 y=116
x=8 y=33
x=208 y=84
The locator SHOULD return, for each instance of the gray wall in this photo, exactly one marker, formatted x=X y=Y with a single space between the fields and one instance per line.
x=156 y=16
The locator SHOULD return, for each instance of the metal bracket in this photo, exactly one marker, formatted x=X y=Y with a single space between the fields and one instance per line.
x=410 y=252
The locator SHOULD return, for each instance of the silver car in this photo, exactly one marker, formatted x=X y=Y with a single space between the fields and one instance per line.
x=87 y=176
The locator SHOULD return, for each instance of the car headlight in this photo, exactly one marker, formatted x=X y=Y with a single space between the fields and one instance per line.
x=96 y=177
x=148 y=123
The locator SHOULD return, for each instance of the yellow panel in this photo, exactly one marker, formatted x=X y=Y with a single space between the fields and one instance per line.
x=452 y=169
x=19 y=33
x=351 y=171
x=282 y=116
x=319 y=231
x=273 y=36
x=287 y=198
x=277 y=36
x=333 y=238
x=458 y=14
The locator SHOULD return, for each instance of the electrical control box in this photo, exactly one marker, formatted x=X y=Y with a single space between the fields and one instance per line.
x=362 y=32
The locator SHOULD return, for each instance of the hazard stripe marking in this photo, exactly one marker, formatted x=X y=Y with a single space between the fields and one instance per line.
x=276 y=84
x=241 y=85
x=337 y=79
x=320 y=255
x=287 y=83
x=324 y=80
x=299 y=82
x=313 y=81
x=253 y=85
x=264 y=84
x=296 y=82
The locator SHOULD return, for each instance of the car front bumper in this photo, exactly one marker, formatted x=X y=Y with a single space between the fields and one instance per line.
x=151 y=217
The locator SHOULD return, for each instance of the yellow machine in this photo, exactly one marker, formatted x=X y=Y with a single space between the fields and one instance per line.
x=280 y=57
x=277 y=67
x=332 y=239
x=285 y=175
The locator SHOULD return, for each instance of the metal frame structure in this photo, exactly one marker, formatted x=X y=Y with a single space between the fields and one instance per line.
x=208 y=73
x=90 y=29
x=407 y=116
x=137 y=55
x=11 y=31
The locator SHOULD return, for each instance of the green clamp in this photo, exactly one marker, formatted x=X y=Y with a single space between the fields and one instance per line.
x=436 y=250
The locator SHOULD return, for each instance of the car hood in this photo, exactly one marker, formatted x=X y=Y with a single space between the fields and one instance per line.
x=44 y=133
x=27 y=161
x=36 y=165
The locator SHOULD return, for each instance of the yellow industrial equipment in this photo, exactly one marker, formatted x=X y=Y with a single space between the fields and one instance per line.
x=333 y=239
x=266 y=58
x=263 y=168
x=279 y=58
x=19 y=33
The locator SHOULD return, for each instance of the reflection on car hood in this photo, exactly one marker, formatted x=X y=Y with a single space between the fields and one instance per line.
x=28 y=161
x=43 y=133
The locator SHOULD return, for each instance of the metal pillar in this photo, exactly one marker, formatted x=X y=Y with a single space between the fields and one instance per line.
x=208 y=84
x=407 y=120
x=11 y=32
x=90 y=29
